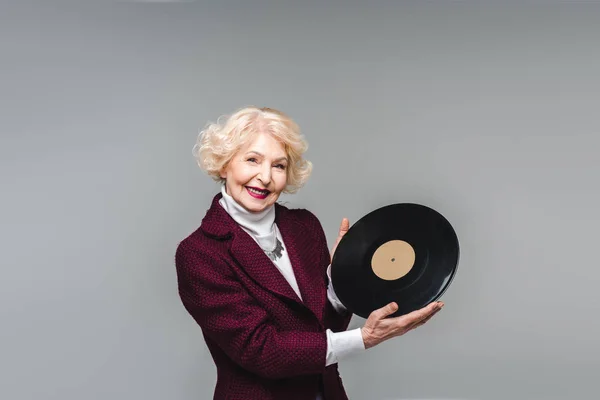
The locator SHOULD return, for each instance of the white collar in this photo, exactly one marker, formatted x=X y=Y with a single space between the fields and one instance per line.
x=259 y=225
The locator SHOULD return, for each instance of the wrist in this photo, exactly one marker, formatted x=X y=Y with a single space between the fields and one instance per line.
x=366 y=338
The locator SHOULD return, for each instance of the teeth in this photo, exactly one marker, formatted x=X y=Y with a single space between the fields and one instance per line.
x=257 y=191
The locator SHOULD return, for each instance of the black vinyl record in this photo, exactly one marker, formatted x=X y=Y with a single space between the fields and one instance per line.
x=407 y=253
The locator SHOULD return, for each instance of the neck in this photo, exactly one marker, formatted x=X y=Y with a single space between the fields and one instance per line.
x=260 y=225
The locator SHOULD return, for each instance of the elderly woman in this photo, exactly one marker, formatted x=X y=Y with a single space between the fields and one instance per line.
x=255 y=274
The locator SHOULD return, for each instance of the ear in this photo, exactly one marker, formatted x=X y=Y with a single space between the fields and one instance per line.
x=223 y=171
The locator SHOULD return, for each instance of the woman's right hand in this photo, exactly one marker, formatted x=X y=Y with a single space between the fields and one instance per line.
x=378 y=328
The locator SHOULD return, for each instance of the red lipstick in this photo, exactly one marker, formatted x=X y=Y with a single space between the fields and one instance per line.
x=261 y=196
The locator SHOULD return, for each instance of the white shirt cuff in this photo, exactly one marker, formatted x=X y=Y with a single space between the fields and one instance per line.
x=343 y=344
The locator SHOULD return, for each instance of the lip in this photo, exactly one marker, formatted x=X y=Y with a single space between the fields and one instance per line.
x=256 y=196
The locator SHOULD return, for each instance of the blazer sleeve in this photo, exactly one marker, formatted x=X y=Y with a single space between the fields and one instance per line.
x=232 y=318
x=340 y=320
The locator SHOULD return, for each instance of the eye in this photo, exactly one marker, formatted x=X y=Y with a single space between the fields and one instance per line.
x=252 y=159
x=280 y=166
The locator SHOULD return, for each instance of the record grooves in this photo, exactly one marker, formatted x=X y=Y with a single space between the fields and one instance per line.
x=404 y=252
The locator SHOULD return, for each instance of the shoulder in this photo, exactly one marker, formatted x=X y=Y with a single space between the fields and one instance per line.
x=209 y=237
x=300 y=215
x=197 y=251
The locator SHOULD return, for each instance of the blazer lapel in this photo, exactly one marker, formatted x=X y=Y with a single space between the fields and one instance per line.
x=259 y=266
x=304 y=259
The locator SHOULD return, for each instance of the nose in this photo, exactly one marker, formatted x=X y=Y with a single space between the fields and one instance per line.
x=265 y=175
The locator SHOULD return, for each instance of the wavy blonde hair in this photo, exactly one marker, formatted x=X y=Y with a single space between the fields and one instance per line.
x=219 y=141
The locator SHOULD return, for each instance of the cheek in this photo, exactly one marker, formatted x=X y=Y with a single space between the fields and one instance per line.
x=242 y=175
x=282 y=179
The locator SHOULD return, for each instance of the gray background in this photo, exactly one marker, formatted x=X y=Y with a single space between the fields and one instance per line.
x=487 y=112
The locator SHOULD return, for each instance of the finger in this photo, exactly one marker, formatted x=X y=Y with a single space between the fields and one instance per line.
x=344 y=227
x=434 y=307
x=438 y=306
x=421 y=313
x=418 y=315
x=427 y=318
x=417 y=324
x=385 y=311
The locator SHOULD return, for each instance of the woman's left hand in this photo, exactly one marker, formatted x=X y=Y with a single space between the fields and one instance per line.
x=343 y=229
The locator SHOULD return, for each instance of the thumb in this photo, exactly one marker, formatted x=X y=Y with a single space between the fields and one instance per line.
x=385 y=311
x=344 y=226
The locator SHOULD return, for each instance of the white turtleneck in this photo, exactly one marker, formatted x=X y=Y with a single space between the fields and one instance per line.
x=262 y=228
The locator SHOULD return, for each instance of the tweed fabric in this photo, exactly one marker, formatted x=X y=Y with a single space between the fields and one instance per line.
x=266 y=343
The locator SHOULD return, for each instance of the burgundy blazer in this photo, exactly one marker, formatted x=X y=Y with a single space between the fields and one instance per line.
x=265 y=342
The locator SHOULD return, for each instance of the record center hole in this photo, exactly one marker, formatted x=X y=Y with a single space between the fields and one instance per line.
x=384 y=263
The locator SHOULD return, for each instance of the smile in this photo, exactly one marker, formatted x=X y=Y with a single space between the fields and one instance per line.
x=257 y=193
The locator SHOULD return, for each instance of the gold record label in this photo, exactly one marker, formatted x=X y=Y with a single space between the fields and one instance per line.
x=392 y=260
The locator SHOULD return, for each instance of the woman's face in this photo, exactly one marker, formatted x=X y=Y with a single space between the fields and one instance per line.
x=257 y=173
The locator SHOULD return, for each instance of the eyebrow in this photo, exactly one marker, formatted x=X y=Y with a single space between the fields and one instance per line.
x=262 y=155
